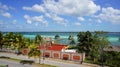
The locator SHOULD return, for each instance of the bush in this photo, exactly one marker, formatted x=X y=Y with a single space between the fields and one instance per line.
x=3 y=66
x=26 y=61
x=4 y=57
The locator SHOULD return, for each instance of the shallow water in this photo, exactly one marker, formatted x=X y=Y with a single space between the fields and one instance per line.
x=112 y=37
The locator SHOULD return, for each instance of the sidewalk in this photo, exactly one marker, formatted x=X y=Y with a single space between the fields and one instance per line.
x=49 y=61
x=73 y=62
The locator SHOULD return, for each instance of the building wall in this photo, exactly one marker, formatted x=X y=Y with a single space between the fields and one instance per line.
x=63 y=55
x=25 y=51
x=79 y=57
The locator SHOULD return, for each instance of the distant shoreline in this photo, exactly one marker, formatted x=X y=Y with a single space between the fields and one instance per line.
x=52 y=31
x=113 y=48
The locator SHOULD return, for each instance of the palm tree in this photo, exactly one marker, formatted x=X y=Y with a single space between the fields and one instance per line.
x=38 y=40
x=10 y=39
x=27 y=42
x=22 y=42
x=19 y=41
x=34 y=51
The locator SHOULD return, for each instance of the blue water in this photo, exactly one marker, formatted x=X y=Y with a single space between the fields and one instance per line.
x=112 y=36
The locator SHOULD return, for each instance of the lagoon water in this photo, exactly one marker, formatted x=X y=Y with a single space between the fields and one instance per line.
x=112 y=36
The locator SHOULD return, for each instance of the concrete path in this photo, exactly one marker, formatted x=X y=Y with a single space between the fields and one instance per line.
x=50 y=62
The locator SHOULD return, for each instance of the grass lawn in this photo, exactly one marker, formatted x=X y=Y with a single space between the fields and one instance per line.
x=18 y=60
x=3 y=66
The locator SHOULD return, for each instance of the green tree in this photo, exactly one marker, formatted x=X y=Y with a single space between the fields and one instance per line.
x=72 y=42
x=70 y=37
x=91 y=43
x=27 y=42
x=34 y=51
x=57 y=36
x=1 y=40
x=100 y=42
x=38 y=40
x=85 y=42
x=19 y=41
x=10 y=40
x=112 y=58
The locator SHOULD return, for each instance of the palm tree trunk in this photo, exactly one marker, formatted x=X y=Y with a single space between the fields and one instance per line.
x=39 y=60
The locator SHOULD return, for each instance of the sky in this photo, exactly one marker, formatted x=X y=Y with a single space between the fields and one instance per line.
x=59 y=15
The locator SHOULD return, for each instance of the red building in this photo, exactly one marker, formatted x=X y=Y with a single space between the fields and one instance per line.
x=58 y=51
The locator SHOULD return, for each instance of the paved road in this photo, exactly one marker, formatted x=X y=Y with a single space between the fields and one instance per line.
x=62 y=64
x=11 y=63
x=51 y=62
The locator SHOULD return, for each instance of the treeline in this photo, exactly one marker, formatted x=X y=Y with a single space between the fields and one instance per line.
x=111 y=58
x=93 y=45
x=17 y=42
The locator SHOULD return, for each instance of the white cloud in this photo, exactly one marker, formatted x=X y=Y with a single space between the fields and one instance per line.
x=66 y=7
x=81 y=18
x=99 y=21
x=70 y=7
x=35 y=7
x=48 y=15
x=4 y=10
x=57 y=19
x=28 y=19
x=8 y=15
x=55 y=9
x=3 y=7
x=77 y=23
x=36 y=19
x=110 y=14
x=60 y=20
x=14 y=21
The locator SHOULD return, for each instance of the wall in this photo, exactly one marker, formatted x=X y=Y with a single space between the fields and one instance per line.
x=64 y=55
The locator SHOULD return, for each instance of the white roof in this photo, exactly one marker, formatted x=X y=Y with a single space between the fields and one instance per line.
x=70 y=50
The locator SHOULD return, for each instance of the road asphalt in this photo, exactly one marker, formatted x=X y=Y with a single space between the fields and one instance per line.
x=46 y=61
x=11 y=63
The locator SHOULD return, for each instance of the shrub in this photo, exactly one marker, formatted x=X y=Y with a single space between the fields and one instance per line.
x=26 y=61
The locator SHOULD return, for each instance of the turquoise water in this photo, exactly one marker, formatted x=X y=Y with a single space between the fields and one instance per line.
x=113 y=37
